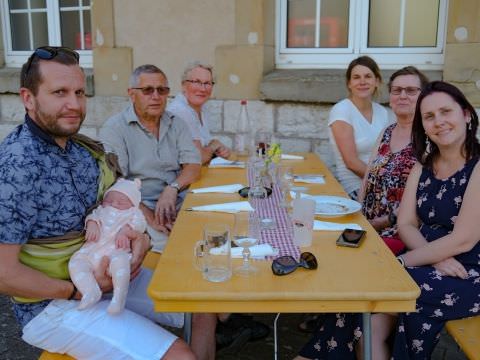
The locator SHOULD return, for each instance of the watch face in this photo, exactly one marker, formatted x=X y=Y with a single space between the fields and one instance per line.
x=175 y=185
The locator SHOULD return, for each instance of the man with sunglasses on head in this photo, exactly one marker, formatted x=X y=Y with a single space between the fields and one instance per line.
x=50 y=176
x=153 y=145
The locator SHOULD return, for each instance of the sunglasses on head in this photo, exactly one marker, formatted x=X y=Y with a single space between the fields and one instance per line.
x=48 y=53
x=287 y=264
x=149 y=90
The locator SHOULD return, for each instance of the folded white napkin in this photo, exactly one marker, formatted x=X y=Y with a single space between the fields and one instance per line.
x=219 y=162
x=230 y=207
x=256 y=251
x=291 y=157
x=309 y=178
x=230 y=189
x=331 y=226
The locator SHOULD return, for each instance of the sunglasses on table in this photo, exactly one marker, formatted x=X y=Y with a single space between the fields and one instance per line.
x=149 y=90
x=287 y=264
x=48 y=53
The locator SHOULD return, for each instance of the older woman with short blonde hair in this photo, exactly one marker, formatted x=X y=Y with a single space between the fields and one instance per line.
x=188 y=105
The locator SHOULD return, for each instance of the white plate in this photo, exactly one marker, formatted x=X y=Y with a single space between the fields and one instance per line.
x=333 y=205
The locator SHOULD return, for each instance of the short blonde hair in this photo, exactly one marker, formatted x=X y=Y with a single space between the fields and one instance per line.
x=193 y=65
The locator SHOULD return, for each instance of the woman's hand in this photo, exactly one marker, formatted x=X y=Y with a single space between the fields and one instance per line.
x=379 y=223
x=451 y=267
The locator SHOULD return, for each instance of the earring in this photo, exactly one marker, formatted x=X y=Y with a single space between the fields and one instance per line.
x=469 y=127
x=427 y=145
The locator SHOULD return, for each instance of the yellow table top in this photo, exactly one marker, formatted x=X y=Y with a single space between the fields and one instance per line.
x=364 y=279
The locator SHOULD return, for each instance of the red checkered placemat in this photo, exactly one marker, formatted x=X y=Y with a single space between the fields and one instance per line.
x=281 y=237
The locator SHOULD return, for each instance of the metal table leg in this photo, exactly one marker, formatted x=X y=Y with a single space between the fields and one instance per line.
x=367 y=336
x=187 y=328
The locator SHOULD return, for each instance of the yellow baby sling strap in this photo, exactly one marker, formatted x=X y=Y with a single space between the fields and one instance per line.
x=51 y=255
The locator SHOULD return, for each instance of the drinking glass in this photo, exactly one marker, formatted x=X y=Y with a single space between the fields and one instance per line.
x=262 y=142
x=246 y=234
x=285 y=183
x=212 y=254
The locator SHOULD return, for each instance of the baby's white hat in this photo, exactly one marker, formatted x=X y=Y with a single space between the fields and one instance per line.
x=130 y=188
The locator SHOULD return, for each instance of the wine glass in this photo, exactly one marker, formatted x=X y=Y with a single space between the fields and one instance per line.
x=262 y=142
x=285 y=183
x=246 y=234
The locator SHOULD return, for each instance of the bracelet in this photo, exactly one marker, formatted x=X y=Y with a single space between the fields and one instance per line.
x=74 y=292
x=401 y=260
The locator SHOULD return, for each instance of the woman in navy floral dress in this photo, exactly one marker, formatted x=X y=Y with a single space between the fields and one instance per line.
x=438 y=223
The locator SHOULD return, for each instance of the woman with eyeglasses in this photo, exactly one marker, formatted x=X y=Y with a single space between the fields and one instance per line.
x=356 y=122
x=188 y=105
x=393 y=158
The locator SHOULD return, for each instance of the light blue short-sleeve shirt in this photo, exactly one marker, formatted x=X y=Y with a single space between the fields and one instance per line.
x=156 y=162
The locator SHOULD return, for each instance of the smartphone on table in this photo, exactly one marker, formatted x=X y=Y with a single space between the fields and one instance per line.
x=351 y=238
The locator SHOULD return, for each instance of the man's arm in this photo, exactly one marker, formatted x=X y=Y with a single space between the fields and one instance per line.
x=17 y=279
x=165 y=211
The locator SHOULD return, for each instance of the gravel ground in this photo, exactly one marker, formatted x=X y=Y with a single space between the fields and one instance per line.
x=289 y=343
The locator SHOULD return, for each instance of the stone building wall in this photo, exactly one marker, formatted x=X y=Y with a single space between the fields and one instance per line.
x=298 y=127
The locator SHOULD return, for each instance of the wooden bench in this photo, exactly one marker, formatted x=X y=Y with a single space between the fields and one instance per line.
x=149 y=262
x=466 y=333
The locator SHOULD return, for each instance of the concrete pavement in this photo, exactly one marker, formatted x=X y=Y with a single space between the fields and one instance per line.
x=290 y=340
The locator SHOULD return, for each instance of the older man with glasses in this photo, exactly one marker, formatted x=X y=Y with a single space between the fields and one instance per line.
x=50 y=176
x=155 y=146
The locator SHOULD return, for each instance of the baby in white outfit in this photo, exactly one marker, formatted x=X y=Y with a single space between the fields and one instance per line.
x=106 y=235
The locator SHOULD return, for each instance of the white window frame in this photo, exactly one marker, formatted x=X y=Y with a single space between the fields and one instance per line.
x=426 y=58
x=18 y=58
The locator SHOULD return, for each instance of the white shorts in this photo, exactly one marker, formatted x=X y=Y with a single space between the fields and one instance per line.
x=94 y=334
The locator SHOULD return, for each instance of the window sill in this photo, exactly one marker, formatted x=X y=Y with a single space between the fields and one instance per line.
x=10 y=81
x=317 y=85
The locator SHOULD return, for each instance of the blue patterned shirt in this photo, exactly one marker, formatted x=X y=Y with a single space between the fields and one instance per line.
x=44 y=191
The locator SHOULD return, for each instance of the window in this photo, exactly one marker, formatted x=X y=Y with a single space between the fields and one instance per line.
x=331 y=33
x=28 y=24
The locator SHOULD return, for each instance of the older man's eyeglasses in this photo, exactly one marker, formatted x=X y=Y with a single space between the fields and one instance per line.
x=198 y=83
x=48 y=53
x=409 y=90
x=149 y=90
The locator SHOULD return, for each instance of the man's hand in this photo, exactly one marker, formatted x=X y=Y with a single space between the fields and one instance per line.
x=451 y=267
x=140 y=245
x=165 y=211
x=92 y=233
x=152 y=222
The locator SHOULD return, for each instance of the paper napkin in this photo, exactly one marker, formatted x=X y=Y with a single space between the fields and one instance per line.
x=256 y=252
x=219 y=162
x=230 y=189
x=230 y=207
x=291 y=157
x=309 y=178
x=331 y=226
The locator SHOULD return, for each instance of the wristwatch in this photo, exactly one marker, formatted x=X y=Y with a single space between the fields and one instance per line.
x=175 y=185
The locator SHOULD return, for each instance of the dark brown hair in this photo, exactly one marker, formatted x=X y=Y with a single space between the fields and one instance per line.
x=31 y=76
x=409 y=70
x=364 y=61
x=471 y=146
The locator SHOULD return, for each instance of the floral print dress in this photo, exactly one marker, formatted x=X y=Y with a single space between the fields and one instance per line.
x=442 y=298
x=385 y=182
